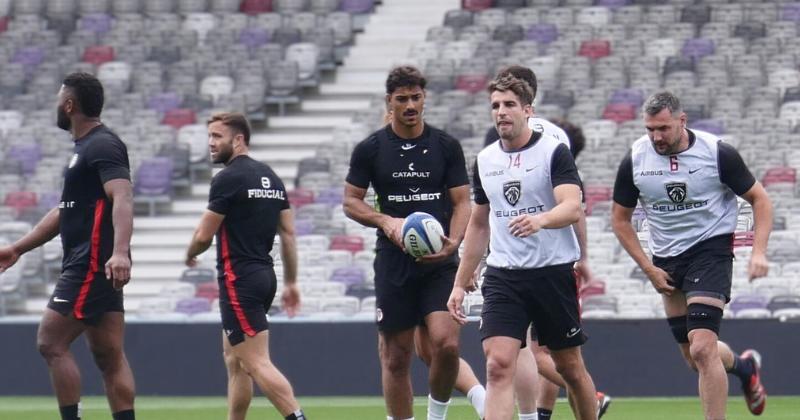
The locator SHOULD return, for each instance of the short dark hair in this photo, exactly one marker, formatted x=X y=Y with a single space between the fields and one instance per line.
x=236 y=121
x=520 y=88
x=88 y=92
x=523 y=73
x=659 y=101
x=404 y=76
x=577 y=140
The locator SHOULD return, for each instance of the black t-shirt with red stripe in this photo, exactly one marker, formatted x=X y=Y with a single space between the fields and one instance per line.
x=85 y=224
x=250 y=196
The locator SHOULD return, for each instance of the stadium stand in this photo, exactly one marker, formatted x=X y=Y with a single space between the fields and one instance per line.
x=311 y=72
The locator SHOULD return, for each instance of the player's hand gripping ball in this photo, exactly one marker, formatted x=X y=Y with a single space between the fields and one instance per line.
x=422 y=234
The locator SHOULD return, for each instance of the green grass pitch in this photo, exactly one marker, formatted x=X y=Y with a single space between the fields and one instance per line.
x=371 y=408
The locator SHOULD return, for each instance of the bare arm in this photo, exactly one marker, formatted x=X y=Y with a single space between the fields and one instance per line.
x=118 y=267
x=459 y=197
x=476 y=240
x=762 y=218
x=621 y=224
x=288 y=246
x=566 y=212
x=43 y=232
x=356 y=209
x=203 y=235
x=582 y=266
x=290 y=297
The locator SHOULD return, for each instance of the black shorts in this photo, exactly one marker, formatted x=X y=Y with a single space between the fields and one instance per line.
x=86 y=297
x=244 y=302
x=705 y=269
x=546 y=296
x=405 y=291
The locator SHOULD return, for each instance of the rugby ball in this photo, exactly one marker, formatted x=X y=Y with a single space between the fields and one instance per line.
x=422 y=234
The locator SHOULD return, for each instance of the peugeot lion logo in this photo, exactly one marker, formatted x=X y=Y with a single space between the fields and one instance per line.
x=676 y=191
x=512 y=191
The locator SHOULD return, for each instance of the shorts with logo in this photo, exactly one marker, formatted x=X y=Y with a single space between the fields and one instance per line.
x=87 y=297
x=705 y=269
x=406 y=291
x=244 y=302
x=546 y=296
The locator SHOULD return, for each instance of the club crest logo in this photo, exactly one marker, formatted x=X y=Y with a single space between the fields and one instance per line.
x=676 y=191
x=512 y=190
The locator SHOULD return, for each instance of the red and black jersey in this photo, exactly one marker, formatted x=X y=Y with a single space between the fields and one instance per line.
x=85 y=224
x=251 y=196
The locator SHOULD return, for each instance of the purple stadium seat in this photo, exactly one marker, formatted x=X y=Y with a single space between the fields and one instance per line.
x=543 y=33
x=697 y=48
x=356 y=6
x=191 y=306
x=164 y=102
x=98 y=23
x=49 y=200
x=629 y=96
x=28 y=155
x=303 y=226
x=348 y=275
x=712 y=126
x=330 y=196
x=790 y=11
x=29 y=57
x=611 y=4
x=749 y=301
x=154 y=177
x=254 y=37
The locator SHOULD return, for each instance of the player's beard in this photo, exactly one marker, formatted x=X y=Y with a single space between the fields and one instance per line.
x=224 y=153
x=62 y=120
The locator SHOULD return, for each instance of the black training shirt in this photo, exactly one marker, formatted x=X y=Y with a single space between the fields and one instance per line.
x=251 y=196
x=85 y=224
x=409 y=175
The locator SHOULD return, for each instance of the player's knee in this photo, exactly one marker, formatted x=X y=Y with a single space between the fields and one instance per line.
x=448 y=349
x=397 y=362
x=49 y=350
x=499 y=368
x=570 y=369
x=703 y=353
x=106 y=358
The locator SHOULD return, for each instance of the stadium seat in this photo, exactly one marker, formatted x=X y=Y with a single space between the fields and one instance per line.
x=98 y=54
x=595 y=49
x=192 y=305
x=299 y=197
x=476 y=5
x=198 y=275
x=255 y=7
x=619 y=112
x=348 y=243
x=348 y=276
x=153 y=183
x=283 y=84
x=179 y=117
